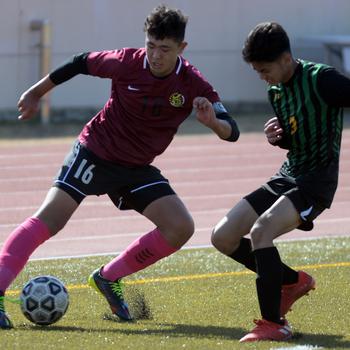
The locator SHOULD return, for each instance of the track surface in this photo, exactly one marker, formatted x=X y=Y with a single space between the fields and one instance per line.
x=208 y=174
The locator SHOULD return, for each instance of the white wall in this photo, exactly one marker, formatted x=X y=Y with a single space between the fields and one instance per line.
x=216 y=32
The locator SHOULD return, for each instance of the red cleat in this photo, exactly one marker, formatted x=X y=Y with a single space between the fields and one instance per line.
x=266 y=330
x=291 y=293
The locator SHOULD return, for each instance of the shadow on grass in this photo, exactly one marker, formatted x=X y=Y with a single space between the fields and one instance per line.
x=189 y=331
x=327 y=341
x=127 y=328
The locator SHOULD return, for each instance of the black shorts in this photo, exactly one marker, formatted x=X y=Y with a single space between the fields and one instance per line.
x=308 y=207
x=84 y=174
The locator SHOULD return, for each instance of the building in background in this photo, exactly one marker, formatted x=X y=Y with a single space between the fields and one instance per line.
x=215 y=34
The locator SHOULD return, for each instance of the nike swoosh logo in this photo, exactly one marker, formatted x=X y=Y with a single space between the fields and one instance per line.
x=305 y=213
x=132 y=88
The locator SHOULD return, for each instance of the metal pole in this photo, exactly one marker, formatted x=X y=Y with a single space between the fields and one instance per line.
x=44 y=26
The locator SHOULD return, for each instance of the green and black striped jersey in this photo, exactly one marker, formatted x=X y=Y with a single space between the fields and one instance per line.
x=312 y=127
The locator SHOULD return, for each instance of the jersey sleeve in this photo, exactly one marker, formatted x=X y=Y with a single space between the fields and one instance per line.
x=69 y=69
x=334 y=87
x=106 y=64
x=210 y=93
x=203 y=88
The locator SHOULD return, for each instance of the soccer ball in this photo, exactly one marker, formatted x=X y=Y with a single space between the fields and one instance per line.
x=44 y=300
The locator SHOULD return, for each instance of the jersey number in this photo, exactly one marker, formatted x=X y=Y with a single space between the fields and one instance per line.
x=293 y=125
x=155 y=105
x=84 y=175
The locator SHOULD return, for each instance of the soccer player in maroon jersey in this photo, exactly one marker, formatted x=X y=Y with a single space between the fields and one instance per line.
x=154 y=89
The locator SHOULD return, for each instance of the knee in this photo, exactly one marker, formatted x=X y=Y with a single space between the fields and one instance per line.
x=185 y=228
x=218 y=241
x=260 y=234
x=180 y=231
x=225 y=244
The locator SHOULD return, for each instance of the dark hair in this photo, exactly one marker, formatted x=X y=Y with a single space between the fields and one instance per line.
x=164 y=22
x=265 y=43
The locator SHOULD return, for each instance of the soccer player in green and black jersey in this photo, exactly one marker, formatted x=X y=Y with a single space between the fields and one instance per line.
x=307 y=99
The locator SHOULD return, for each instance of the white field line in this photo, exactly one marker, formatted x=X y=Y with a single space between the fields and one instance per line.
x=194 y=213
x=174 y=147
x=201 y=198
x=124 y=217
x=105 y=203
x=188 y=156
x=21 y=155
x=168 y=170
x=170 y=152
x=180 y=144
x=174 y=184
x=164 y=170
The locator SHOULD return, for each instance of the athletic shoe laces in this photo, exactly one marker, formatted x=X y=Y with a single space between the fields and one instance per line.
x=11 y=300
x=117 y=288
x=2 y=306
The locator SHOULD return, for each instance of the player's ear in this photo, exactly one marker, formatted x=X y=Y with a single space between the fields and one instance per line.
x=182 y=47
x=286 y=58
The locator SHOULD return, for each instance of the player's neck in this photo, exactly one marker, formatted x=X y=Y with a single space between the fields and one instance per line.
x=291 y=71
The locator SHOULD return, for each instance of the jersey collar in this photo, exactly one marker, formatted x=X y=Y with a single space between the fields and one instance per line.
x=178 y=66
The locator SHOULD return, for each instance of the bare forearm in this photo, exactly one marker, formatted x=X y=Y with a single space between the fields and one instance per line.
x=227 y=129
x=41 y=87
x=222 y=128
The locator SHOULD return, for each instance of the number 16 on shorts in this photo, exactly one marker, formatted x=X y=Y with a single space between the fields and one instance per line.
x=84 y=173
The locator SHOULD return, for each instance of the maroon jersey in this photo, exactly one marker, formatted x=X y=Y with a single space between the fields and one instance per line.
x=143 y=113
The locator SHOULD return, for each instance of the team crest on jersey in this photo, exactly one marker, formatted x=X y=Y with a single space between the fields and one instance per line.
x=176 y=99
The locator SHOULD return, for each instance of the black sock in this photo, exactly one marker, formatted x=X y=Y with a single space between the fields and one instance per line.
x=243 y=255
x=269 y=283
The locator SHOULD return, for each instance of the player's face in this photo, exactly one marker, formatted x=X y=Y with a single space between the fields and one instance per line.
x=162 y=55
x=276 y=72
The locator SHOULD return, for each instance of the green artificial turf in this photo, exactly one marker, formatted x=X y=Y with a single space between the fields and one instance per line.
x=195 y=299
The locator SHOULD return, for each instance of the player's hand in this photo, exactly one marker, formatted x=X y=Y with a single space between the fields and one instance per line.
x=204 y=111
x=28 y=105
x=273 y=130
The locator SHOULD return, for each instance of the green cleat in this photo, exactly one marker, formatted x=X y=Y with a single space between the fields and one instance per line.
x=113 y=292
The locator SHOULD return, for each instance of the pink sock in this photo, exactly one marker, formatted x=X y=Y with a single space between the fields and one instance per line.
x=141 y=253
x=18 y=247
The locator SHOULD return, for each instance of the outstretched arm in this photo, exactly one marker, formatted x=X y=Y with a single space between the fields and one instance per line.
x=224 y=127
x=28 y=104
